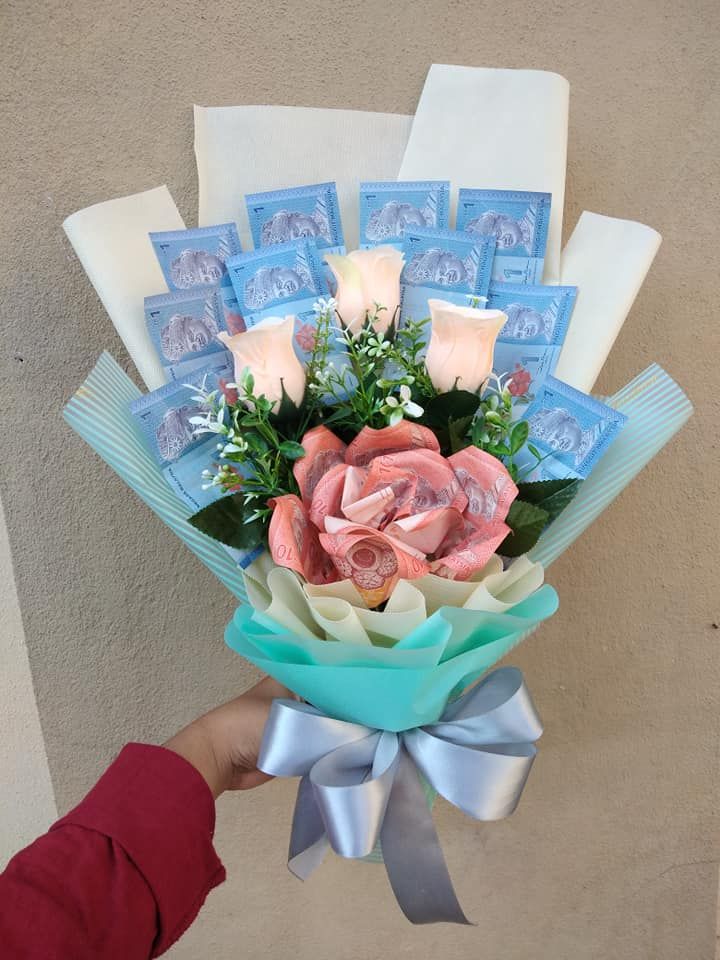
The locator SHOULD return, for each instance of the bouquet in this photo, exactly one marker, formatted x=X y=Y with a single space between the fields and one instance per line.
x=374 y=453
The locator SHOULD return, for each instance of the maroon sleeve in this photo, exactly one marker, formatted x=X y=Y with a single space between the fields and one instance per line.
x=124 y=874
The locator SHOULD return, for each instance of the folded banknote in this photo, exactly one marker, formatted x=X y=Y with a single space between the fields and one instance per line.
x=195 y=257
x=184 y=325
x=164 y=415
x=529 y=344
x=570 y=430
x=518 y=220
x=282 y=279
x=389 y=208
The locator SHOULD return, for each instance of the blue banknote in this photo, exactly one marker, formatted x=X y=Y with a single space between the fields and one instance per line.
x=389 y=208
x=570 y=429
x=529 y=344
x=414 y=302
x=164 y=414
x=443 y=264
x=181 y=372
x=234 y=322
x=196 y=257
x=278 y=280
x=185 y=475
x=184 y=325
x=300 y=213
x=518 y=220
x=185 y=478
x=448 y=260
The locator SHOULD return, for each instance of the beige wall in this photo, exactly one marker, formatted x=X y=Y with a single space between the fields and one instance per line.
x=27 y=803
x=613 y=851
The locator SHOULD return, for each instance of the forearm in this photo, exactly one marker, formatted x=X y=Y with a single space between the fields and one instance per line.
x=123 y=874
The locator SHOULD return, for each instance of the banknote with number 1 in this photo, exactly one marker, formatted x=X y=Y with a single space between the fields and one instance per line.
x=283 y=279
x=389 y=208
x=529 y=344
x=443 y=263
x=518 y=220
x=311 y=212
x=570 y=431
x=196 y=258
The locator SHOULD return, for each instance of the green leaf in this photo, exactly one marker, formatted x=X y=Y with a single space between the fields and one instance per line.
x=258 y=444
x=551 y=495
x=291 y=450
x=224 y=520
x=450 y=406
x=527 y=523
x=497 y=449
x=457 y=431
x=518 y=436
x=534 y=451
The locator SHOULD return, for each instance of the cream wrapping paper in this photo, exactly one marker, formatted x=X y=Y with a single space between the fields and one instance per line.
x=112 y=243
x=499 y=129
x=250 y=149
x=608 y=260
x=336 y=611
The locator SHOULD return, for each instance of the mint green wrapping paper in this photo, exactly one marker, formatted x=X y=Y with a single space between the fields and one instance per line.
x=393 y=688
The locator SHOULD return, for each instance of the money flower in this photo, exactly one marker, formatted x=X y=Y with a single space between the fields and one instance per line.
x=389 y=507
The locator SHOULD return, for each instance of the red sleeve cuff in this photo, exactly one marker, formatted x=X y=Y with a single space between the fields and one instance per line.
x=158 y=808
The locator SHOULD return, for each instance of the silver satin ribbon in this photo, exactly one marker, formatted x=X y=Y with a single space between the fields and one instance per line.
x=360 y=784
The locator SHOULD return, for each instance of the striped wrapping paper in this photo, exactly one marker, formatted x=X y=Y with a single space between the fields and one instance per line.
x=99 y=412
x=655 y=408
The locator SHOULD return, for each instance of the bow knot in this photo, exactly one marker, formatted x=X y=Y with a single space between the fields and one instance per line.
x=359 y=784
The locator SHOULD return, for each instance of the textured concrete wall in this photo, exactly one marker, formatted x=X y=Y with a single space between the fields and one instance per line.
x=612 y=853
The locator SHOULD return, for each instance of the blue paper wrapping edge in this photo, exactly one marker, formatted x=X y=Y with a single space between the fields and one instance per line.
x=99 y=412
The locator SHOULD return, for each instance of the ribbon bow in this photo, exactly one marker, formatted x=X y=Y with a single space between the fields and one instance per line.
x=360 y=784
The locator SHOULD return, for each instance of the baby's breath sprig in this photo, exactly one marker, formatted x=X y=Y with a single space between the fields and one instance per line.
x=493 y=428
x=248 y=438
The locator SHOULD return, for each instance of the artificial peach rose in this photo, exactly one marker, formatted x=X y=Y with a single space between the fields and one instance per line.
x=267 y=351
x=390 y=507
x=364 y=278
x=462 y=342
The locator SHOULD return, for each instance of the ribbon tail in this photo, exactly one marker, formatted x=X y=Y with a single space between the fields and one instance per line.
x=412 y=853
x=308 y=842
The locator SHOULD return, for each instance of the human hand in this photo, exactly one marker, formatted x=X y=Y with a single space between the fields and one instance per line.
x=223 y=745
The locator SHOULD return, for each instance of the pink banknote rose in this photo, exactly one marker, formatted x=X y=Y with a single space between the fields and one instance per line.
x=390 y=507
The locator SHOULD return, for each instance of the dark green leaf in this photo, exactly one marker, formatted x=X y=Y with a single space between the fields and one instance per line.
x=534 y=451
x=527 y=523
x=551 y=495
x=224 y=520
x=518 y=436
x=450 y=406
x=457 y=430
x=291 y=450
x=288 y=411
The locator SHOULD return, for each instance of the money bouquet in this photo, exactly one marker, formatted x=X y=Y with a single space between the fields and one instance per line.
x=373 y=452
